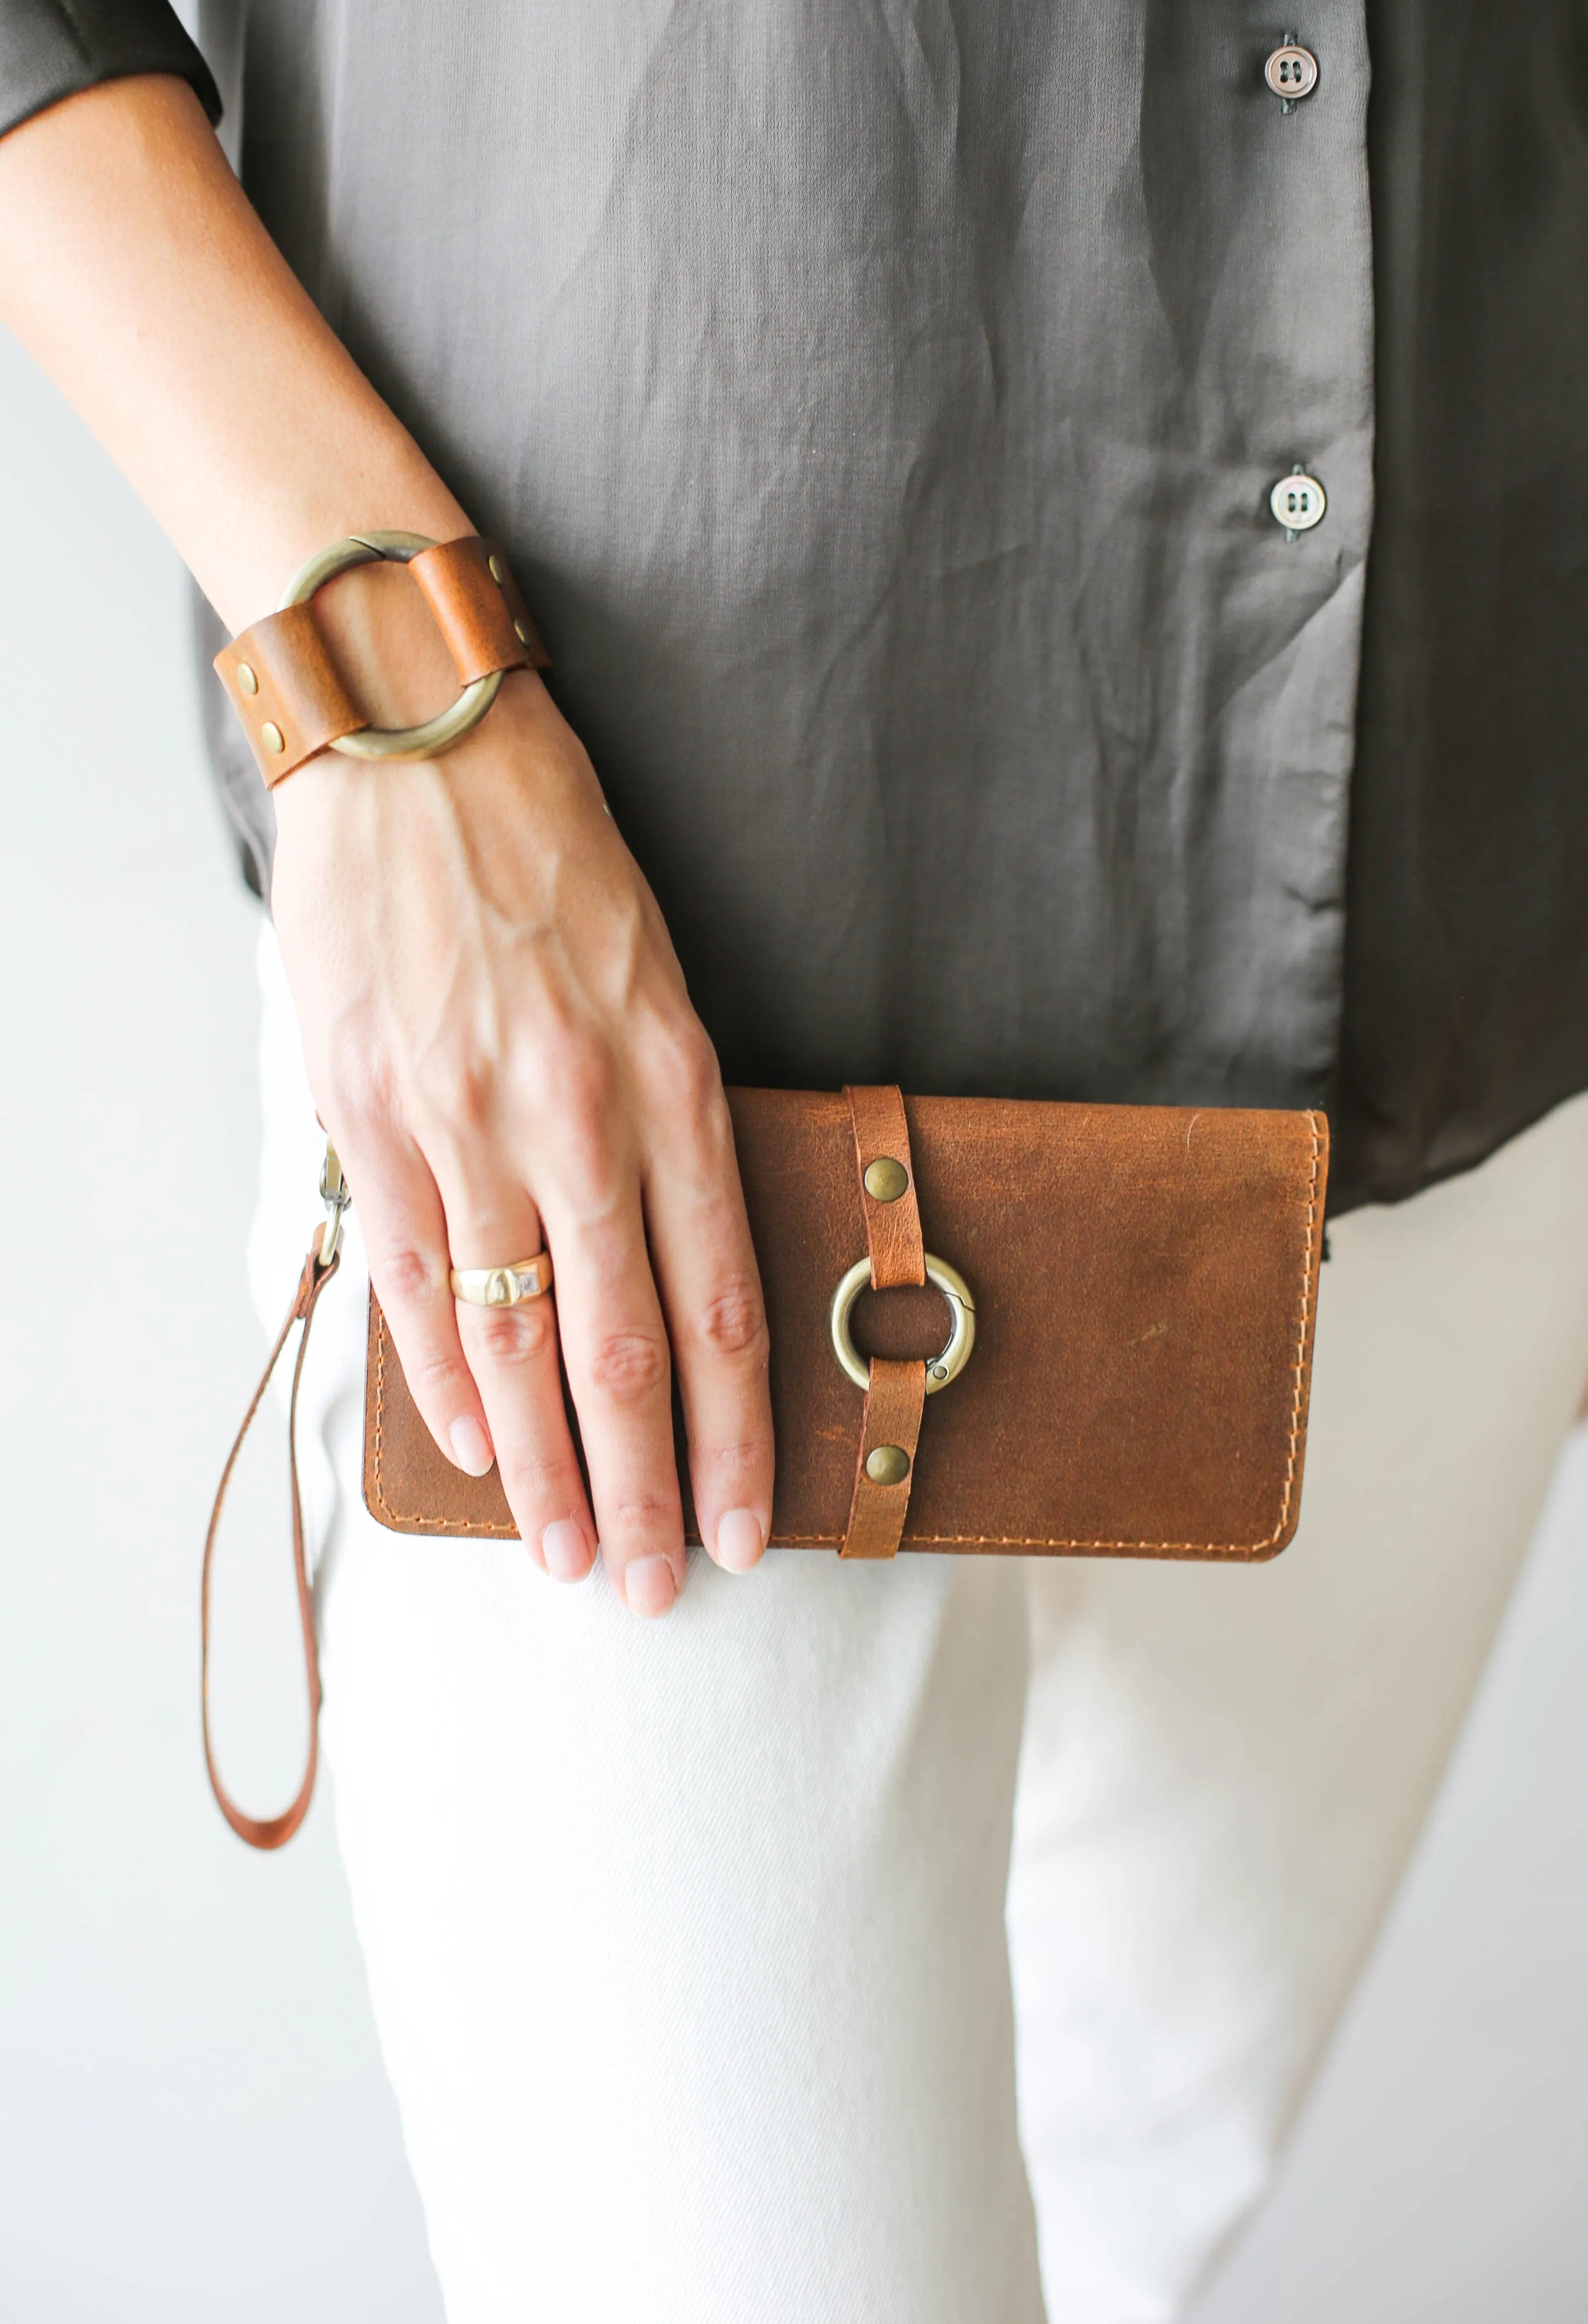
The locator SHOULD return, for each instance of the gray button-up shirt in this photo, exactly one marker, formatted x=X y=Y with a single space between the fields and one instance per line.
x=884 y=408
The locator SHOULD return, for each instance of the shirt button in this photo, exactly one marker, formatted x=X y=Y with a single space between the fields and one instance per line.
x=1298 y=502
x=1291 y=72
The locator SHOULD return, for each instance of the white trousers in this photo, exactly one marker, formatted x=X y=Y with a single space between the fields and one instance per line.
x=688 y=1941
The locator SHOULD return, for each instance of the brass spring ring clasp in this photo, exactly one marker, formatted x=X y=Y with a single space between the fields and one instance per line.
x=940 y=1369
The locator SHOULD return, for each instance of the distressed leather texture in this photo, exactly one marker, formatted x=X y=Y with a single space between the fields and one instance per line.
x=890 y=1414
x=892 y=1230
x=1145 y=1281
x=474 y=611
x=300 y=691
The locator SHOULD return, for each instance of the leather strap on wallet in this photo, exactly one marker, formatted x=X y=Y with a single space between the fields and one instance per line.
x=890 y=1425
x=273 y=1831
x=289 y=694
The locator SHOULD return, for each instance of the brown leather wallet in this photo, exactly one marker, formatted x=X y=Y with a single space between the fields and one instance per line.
x=1114 y=1321
x=1142 y=1283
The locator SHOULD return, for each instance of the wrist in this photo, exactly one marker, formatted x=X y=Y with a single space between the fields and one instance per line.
x=356 y=468
x=372 y=619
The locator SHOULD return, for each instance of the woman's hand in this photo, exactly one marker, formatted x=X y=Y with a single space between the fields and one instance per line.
x=500 y=1042
x=497 y=1033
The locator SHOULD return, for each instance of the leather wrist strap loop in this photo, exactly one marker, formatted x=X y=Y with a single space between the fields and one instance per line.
x=895 y=1397
x=289 y=694
x=273 y=1831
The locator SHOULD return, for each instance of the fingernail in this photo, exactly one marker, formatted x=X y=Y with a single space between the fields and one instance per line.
x=564 y=1551
x=471 y=1446
x=649 y=1585
x=739 y=1540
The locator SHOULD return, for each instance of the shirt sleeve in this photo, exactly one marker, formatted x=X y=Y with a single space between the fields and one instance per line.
x=50 y=49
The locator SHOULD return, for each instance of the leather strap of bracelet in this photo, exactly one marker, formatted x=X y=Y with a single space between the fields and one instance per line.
x=289 y=694
x=890 y=1425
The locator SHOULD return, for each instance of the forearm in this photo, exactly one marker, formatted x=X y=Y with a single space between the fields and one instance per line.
x=134 y=270
x=496 y=1030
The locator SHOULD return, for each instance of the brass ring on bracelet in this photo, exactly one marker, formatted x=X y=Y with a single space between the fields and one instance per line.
x=449 y=725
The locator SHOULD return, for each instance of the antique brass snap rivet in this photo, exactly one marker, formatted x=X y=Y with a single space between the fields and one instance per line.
x=273 y=736
x=888 y=1465
x=498 y=572
x=886 y=1180
x=520 y=634
x=247 y=679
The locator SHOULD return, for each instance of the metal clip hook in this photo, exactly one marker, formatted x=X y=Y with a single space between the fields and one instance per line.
x=335 y=1194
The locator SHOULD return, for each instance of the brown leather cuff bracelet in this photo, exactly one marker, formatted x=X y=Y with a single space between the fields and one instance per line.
x=289 y=694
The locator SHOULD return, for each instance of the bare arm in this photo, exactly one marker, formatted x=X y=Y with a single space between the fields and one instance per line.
x=496 y=1030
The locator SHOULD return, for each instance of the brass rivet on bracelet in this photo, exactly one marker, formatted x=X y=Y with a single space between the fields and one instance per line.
x=520 y=634
x=498 y=570
x=886 y=1179
x=247 y=679
x=888 y=1465
x=273 y=736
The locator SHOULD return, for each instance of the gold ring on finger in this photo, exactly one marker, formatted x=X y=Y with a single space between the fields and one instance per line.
x=503 y=1286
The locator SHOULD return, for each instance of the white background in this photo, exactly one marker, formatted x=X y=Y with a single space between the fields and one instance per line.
x=193 y=2120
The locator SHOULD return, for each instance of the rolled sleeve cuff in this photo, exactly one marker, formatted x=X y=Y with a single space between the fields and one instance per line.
x=52 y=49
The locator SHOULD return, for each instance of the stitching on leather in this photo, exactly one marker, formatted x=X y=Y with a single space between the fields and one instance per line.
x=980 y=1540
x=399 y=1517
